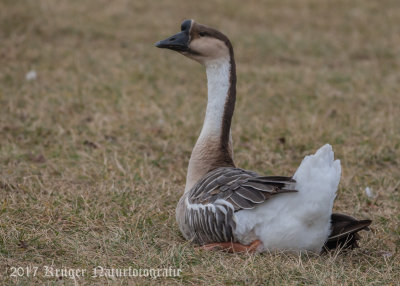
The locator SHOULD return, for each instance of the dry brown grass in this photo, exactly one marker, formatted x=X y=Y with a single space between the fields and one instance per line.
x=94 y=151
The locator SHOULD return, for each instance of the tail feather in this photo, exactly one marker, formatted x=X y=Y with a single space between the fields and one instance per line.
x=345 y=231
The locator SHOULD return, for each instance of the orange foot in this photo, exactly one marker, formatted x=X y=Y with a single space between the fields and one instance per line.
x=231 y=246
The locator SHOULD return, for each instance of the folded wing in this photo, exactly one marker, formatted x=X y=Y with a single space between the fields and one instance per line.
x=223 y=191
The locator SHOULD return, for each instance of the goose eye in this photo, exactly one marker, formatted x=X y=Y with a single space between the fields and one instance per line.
x=202 y=34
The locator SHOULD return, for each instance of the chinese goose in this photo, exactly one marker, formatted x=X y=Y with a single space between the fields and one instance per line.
x=225 y=207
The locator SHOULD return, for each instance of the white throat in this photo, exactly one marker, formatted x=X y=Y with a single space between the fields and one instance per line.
x=218 y=83
x=218 y=73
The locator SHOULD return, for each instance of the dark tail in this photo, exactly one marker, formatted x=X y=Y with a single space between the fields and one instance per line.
x=344 y=232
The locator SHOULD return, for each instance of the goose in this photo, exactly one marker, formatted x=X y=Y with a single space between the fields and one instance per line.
x=224 y=207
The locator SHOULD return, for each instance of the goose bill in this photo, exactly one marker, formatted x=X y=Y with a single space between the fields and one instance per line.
x=178 y=42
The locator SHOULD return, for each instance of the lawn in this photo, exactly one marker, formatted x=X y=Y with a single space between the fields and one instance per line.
x=94 y=147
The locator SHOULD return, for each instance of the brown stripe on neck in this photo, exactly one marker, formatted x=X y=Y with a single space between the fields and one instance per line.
x=228 y=110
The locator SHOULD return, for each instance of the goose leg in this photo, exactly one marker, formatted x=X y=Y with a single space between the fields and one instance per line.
x=231 y=246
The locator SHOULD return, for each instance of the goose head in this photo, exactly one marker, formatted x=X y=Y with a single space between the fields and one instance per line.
x=198 y=42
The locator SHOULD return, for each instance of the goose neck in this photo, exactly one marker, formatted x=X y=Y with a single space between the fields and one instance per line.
x=213 y=148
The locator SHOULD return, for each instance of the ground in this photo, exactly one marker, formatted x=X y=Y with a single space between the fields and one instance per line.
x=94 y=149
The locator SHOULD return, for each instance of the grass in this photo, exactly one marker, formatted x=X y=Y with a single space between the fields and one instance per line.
x=93 y=153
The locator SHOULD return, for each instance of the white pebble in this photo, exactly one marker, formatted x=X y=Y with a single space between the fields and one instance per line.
x=31 y=75
x=370 y=193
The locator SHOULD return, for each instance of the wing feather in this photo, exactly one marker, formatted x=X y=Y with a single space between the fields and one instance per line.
x=224 y=191
x=255 y=197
